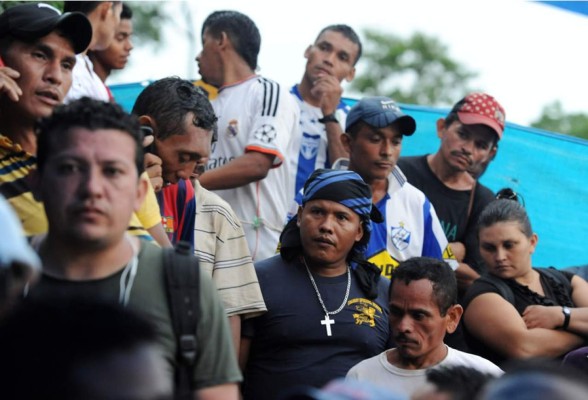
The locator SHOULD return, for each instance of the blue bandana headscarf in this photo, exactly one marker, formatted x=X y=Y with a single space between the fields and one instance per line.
x=346 y=188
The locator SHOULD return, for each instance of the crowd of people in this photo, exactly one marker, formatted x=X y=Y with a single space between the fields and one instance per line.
x=247 y=241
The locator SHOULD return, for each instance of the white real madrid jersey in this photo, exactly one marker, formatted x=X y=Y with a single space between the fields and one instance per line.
x=257 y=115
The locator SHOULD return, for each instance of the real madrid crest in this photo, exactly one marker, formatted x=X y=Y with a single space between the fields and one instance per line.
x=233 y=128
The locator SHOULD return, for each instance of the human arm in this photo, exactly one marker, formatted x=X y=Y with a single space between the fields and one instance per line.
x=496 y=323
x=152 y=164
x=8 y=85
x=465 y=274
x=216 y=372
x=149 y=216
x=328 y=89
x=552 y=317
x=235 y=324
x=250 y=167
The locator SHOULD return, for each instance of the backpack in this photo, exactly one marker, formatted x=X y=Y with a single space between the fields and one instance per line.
x=182 y=280
x=505 y=291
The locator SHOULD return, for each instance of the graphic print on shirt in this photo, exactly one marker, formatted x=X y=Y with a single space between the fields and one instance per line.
x=366 y=312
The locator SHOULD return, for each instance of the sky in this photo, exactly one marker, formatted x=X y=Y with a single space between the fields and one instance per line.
x=526 y=54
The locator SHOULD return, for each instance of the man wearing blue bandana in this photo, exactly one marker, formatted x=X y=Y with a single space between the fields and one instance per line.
x=375 y=128
x=327 y=306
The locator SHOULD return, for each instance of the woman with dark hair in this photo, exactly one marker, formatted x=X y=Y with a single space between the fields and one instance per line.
x=517 y=311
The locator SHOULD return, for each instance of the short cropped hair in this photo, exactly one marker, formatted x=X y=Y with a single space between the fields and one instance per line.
x=346 y=31
x=92 y=115
x=438 y=272
x=241 y=31
x=127 y=12
x=168 y=100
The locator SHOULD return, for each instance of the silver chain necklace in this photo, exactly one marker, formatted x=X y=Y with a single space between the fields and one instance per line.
x=328 y=321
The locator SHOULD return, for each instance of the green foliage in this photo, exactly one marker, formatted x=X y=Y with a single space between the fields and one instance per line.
x=417 y=70
x=553 y=118
x=148 y=18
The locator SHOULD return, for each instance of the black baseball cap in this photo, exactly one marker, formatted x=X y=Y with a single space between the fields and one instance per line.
x=32 y=21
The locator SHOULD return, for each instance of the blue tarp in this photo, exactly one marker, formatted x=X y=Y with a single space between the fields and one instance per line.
x=548 y=169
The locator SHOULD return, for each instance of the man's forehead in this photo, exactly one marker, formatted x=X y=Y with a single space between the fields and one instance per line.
x=480 y=131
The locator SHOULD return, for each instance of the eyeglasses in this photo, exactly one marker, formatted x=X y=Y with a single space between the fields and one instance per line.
x=509 y=194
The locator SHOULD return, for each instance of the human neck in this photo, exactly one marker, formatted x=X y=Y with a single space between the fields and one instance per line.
x=304 y=88
x=236 y=70
x=457 y=180
x=20 y=131
x=439 y=354
x=379 y=189
x=100 y=69
x=326 y=269
x=63 y=260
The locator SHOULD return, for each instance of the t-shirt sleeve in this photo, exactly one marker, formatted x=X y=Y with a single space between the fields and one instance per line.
x=148 y=214
x=275 y=120
x=216 y=362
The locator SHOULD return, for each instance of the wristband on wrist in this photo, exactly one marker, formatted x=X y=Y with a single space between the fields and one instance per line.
x=567 y=313
x=328 y=118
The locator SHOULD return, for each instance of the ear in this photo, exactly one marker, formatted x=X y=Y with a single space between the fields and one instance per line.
x=142 y=189
x=299 y=216
x=346 y=141
x=493 y=152
x=452 y=317
x=359 y=234
x=350 y=75
x=34 y=179
x=534 y=239
x=104 y=8
x=307 y=51
x=147 y=120
x=440 y=127
x=223 y=40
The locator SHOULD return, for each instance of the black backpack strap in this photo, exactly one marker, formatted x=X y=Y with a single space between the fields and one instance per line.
x=183 y=290
x=503 y=289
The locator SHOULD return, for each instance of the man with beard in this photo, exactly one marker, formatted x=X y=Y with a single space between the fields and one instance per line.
x=423 y=308
x=469 y=137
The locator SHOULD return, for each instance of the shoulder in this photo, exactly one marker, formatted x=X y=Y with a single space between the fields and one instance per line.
x=457 y=357
x=485 y=284
x=366 y=366
x=484 y=194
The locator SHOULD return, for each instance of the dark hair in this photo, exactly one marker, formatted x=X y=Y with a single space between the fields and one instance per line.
x=85 y=7
x=504 y=210
x=86 y=113
x=438 y=272
x=44 y=342
x=459 y=381
x=127 y=12
x=453 y=117
x=241 y=31
x=346 y=31
x=168 y=100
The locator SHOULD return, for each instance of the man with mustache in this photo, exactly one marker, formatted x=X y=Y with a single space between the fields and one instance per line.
x=469 y=136
x=92 y=152
x=326 y=304
x=373 y=137
x=184 y=126
x=423 y=308
x=38 y=47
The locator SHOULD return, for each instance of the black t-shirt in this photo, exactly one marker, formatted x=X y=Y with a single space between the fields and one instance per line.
x=555 y=294
x=451 y=206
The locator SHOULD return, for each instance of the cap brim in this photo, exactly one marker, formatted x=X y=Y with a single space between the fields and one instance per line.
x=77 y=28
x=474 y=119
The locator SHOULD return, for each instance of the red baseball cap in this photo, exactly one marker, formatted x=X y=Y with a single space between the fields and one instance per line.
x=481 y=108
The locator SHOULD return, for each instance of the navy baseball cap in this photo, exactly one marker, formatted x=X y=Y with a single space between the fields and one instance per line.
x=380 y=112
x=32 y=21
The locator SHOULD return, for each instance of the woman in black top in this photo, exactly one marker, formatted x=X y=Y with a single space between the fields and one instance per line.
x=519 y=311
